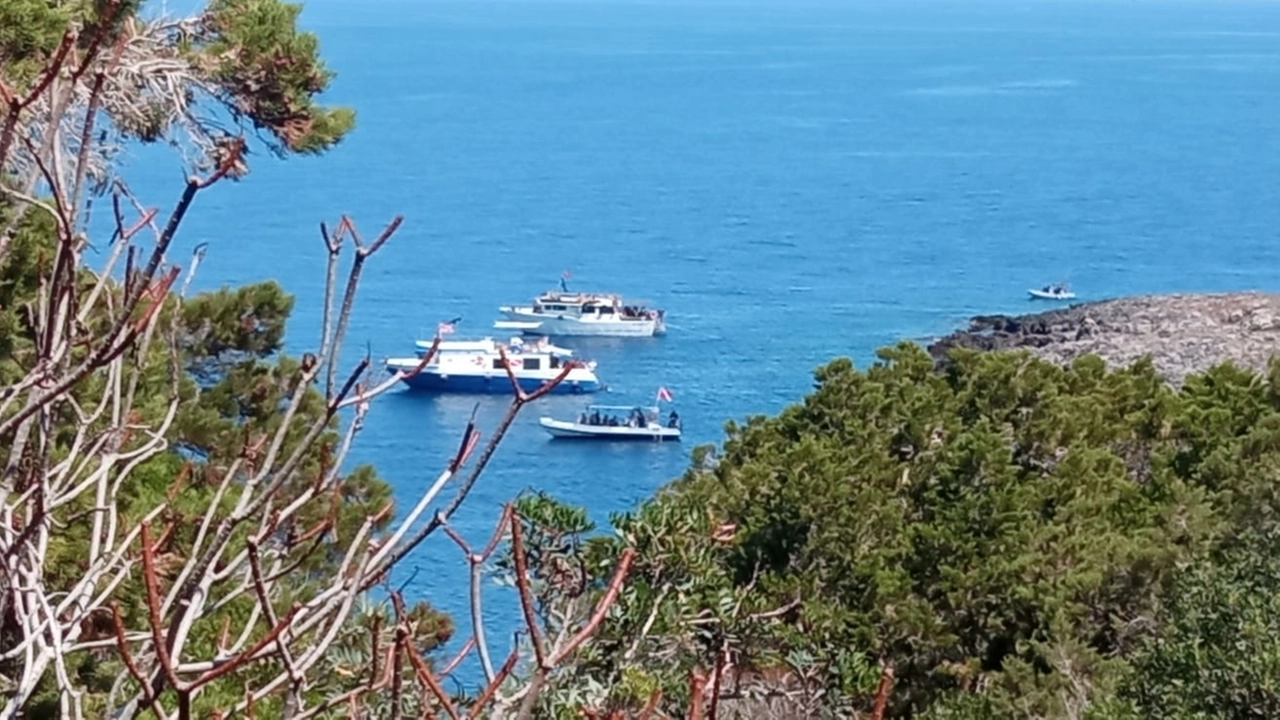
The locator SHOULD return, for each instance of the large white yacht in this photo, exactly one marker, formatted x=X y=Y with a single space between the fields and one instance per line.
x=562 y=313
x=475 y=366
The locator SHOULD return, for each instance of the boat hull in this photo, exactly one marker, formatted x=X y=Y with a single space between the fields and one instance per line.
x=577 y=383
x=555 y=325
x=573 y=431
x=1042 y=295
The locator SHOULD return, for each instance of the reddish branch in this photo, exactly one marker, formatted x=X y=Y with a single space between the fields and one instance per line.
x=363 y=253
x=715 y=684
x=697 y=684
x=651 y=706
x=408 y=648
x=546 y=387
x=526 y=596
x=457 y=659
x=156 y=294
x=51 y=71
x=425 y=676
x=507 y=511
x=383 y=237
x=487 y=695
x=397 y=669
x=427 y=357
x=95 y=101
x=146 y=220
x=602 y=608
x=521 y=399
x=542 y=674
x=123 y=644
x=470 y=436
x=153 y=607
x=376 y=632
x=180 y=482
x=882 y=693
x=454 y=536
x=224 y=637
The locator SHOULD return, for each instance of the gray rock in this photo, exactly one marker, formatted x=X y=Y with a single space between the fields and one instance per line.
x=1183 y=334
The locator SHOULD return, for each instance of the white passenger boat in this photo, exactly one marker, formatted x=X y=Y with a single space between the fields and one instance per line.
x=583 y=314
x=475 y=366
x=1052 y=292
x=616 y=422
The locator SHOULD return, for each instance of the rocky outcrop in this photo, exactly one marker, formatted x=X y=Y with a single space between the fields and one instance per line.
x=1183 y=334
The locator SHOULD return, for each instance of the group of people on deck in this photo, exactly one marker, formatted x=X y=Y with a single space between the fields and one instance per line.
x=635 y=419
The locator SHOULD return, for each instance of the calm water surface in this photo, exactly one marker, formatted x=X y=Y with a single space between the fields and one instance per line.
x=793 y=181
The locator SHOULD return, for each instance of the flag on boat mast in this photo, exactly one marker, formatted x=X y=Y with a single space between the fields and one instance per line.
x=564 y=278
x=447 y=327
x=664 y=395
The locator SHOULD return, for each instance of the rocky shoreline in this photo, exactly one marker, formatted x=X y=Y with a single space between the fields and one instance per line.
x=1183 y=334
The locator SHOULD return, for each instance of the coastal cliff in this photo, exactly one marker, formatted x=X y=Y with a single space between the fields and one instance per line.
x=1183 y=334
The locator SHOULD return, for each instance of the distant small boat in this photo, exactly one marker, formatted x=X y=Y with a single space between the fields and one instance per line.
x=1052 y=292
x=475 y=366
x=616 y=422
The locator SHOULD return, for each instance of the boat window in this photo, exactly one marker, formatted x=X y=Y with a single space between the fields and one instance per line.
x=606 y=311
x=531 y=363
x=555 y=362
x=497 y=363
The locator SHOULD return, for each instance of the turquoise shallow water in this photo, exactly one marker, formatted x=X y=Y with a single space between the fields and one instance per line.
x=793 y=181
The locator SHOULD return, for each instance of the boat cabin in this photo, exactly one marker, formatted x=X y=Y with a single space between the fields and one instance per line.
x=601 y=306
x=535 y=355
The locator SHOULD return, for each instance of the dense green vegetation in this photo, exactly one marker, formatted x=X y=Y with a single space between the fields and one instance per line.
x=1016 y=539
x=207 y=376
x=1011 y=538
x=235 y=383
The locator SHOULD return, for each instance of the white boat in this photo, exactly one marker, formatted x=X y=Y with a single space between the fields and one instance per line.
x=616 y=422
x=583 y=314
x=475 y=366
x=1052 y=292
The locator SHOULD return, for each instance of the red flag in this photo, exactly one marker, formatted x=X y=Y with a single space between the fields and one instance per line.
x=444 y=328
x=664 y=395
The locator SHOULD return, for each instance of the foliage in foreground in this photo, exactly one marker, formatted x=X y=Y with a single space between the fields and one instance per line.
x=178 y=530
x=1012 y=538
x=1007 y=539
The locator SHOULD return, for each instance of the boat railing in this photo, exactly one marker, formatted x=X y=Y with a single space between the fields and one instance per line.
x=634 y=416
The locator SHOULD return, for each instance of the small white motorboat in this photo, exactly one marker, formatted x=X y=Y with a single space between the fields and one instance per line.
x=616 y=422
x=1052 y=292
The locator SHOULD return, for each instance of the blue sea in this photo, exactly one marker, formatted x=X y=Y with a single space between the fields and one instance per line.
x=793 y=181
